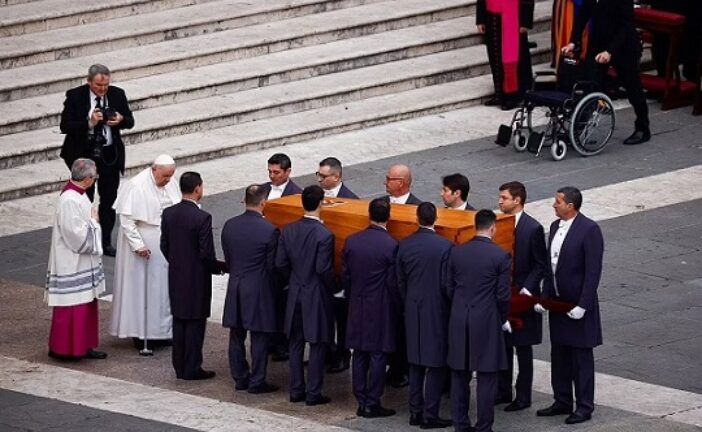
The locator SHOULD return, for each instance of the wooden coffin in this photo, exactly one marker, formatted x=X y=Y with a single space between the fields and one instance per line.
x=347 y=216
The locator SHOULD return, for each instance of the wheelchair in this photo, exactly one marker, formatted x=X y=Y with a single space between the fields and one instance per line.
x=577 y=115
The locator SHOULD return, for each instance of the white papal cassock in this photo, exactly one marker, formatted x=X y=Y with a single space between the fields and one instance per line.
x=139 y=205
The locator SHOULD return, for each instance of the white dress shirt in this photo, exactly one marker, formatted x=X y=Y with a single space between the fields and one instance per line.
x=277 y=191
x=333 y=192
x=402 y=199
x=93 y=104
x=557 y=244
x=460 y=207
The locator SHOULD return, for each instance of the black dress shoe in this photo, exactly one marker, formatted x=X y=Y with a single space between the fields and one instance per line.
x=200 y=375
x=96 y=355
x=517 y=406
x=339 y=366
x=109 y=251
x=298 y=398
x=264 y=388
x=553 y=410
x=63 y=357
x=321 y=400
x=509 y=105
x=241 y=386
x=377 y=411
x=503 y=400
x=638 y=137
x=438 y=423
x=415 y=419
x=577 y=417
x=399 y=382
x=493 y=101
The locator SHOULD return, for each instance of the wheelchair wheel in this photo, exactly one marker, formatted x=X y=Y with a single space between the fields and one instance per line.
x=592 y=124
x=519 y=141
x=558 y=150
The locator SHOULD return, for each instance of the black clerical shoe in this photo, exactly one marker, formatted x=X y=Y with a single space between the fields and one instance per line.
x=638 y=137
x=377 y=411
x=63 y=357
x=241 y=386
x=517 y=406
x=109 y=251
x=320 y=400
x=298 y=398
x=438 y=423
x=493 y=101
x=201 y=375
x=96 y=355
x=554 y=410
x=577 y=417
x=415 y=419
x=264 y=388
x=398 y=382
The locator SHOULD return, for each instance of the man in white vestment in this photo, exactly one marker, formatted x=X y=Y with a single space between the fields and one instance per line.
x=75 y=277
x=140 y=305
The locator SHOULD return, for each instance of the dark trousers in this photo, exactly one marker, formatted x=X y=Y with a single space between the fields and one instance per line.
x=339 y=351
x=188 y=338
x=426 y=385
x=399 y=367
x=315 y=368
x=460 y=398
x=525 y=359
x=493 y=41
x=368 y=377
x=279 y=342
x=573 y=367
x=107 y=185
x=245 y=376
x=627 y=68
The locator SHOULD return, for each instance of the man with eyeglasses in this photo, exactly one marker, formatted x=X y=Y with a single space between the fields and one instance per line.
x=329 y=178
x=398 y=182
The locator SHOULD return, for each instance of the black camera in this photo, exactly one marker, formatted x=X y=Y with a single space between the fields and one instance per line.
x=97 y=139
x=108 y=113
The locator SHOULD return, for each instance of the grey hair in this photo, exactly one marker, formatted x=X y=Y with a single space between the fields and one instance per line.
x=97 y=69
x=82 y=169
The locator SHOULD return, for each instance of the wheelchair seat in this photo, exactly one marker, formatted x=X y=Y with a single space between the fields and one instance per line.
x=549 y=98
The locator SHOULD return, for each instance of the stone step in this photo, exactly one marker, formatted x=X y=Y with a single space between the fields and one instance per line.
x=263 y=102
x=229 y=45
x=139 y=30
x=22 y=17
x=49 y=175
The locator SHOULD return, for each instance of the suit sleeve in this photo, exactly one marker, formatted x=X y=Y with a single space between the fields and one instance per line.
x=581 y=21
x=401 y=278
x=271 y=248
x=282 y=262
x=128 y=120
x=225 y=248
x=625 y=27
x=526 y=13
x=450 y=278
x=537 y=250
x=503 y=289
x=443 y=271
x=594 y=250
x=345 y=273
x=74 y=121
x=164 y=246
x=391 y=281
x=480 y=13
x=325 y=262
x=207 y=250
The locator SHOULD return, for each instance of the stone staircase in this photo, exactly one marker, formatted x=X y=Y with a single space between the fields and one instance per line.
x=214 y=78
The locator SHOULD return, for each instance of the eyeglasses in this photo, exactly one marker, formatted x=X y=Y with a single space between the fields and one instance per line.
x=393 y=178
x=322 y=176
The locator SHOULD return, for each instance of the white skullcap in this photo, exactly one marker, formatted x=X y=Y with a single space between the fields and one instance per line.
x=164 y=160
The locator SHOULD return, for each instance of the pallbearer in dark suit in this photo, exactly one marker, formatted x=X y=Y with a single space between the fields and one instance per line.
x=368 y=275
x=422 y=261
x=186 y=243
x=249 y=243
x=330 y=178
x=454 y=192
x=306 y=255
x=505 y=24
x=478 y=285
x=280 y=185
x=575 y=249
x=398 y=185
x=529 y=262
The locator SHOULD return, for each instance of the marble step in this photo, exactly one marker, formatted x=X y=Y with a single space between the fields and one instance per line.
x=46 y=176
x=21 y=17
x=264 y=102
x=144 y=29
x=250 y=41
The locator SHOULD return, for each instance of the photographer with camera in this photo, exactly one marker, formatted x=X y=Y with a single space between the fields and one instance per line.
x=93 y=116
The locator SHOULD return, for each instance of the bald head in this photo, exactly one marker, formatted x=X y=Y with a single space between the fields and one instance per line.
x=398 y=180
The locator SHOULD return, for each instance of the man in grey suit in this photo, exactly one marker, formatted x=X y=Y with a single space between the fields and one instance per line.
x=422 y=261
x=306 y=257
x=249 y=243
x=478 y=285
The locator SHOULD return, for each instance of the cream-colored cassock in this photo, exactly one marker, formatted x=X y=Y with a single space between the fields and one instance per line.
x=139 y=206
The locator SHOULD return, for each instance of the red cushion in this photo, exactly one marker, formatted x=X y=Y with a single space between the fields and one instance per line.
x=658 y=16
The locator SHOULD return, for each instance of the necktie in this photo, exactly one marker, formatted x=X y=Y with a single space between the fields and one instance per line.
x=98 y=101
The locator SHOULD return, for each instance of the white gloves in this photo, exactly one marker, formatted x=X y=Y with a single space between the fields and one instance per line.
x=538 y=308
x=576 y=313
x=507 y=327
x=525 y=292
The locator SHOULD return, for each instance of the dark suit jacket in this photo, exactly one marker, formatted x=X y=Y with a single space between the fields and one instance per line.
x=305 y=257
x=345 y=192
x=422 y=264
x=478 y=285
x=249 y=243
x=74 y=123
x=526 y=13
x=411 y=199
x=368 y=275
x=530 y=260
x=290 y=189
x=187 y=245
x=577 y=278
x=612 y=24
